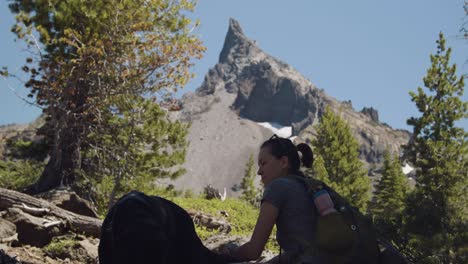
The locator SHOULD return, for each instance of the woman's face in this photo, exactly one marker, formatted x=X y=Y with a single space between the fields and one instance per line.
x=270 y=167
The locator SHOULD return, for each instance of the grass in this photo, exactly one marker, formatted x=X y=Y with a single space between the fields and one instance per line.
x=242 y=216
x=60 y=246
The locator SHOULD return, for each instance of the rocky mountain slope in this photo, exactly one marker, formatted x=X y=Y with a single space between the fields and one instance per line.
x=248 y=87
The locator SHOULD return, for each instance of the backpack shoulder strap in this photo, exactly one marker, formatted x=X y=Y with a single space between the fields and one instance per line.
x=312 y=185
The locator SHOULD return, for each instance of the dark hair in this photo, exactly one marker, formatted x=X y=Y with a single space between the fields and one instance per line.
x=280 y=147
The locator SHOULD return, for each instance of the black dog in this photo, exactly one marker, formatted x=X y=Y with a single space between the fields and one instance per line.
x=149 y=229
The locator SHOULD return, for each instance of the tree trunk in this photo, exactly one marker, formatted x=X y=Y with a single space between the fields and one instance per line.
x=65 y=157
x=78 y=223
x=63 y=165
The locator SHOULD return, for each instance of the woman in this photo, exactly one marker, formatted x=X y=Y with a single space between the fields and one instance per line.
x=285 y=203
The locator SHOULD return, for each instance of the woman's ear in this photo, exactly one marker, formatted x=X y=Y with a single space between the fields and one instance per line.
x=284 y=162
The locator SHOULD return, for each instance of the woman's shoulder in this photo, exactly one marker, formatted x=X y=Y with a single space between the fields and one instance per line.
x=278 y=182
x=284 y=182
x=288 y=179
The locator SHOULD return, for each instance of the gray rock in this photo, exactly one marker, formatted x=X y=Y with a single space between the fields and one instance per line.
x=372 y=113
x=31 y=230
x=89 y=249
x=7 y=229
x=69 y=201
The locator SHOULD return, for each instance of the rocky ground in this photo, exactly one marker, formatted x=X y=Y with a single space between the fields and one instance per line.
x=29 y=224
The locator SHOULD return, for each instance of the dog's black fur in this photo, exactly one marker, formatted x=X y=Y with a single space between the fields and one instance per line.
x=149 y=229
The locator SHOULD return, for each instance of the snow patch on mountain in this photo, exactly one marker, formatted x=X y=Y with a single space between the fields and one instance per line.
x=279 y=130
x=407 y=168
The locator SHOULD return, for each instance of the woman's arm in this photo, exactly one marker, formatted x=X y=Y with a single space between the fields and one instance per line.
x=265 y=222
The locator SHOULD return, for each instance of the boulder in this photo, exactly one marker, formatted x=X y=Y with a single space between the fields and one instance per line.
x=69 y=201
x=33 y=230
x=89 y=249
x=7 y=229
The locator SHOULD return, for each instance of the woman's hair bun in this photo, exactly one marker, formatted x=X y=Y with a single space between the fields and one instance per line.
x=307 y=155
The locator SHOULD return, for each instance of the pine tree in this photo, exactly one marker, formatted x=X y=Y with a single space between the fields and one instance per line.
x=390 y=196
x=96 y=68
x=391 y=189
x=249 y=192
x=438 y=208
x=340 y=152
x=144 y=146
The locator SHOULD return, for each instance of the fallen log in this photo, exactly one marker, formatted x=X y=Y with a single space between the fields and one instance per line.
x=32 y=211
x=209 y=221
x=78 y=223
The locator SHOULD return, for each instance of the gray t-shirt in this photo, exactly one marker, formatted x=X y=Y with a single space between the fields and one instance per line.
x=296 y=219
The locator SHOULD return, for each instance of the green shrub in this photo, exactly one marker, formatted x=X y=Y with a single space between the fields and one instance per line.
x=21 y=149
x=16 y=175
x=60 y=246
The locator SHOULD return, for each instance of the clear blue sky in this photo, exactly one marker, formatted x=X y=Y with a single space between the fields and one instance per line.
x=370 y=52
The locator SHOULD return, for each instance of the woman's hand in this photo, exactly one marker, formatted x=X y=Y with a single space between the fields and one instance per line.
x=265 y=222
x=227 y=248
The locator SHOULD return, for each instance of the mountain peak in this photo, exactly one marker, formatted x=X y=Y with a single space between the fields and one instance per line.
x=235 y=27
x=235 y=38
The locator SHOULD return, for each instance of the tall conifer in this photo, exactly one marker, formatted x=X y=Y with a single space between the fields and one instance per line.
x=389 y=199
x=438 y=208
x=340 y=152
x=391 y=189
x=249 y=192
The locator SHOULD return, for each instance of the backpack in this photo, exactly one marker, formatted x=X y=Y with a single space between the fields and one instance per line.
x=346 y=236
